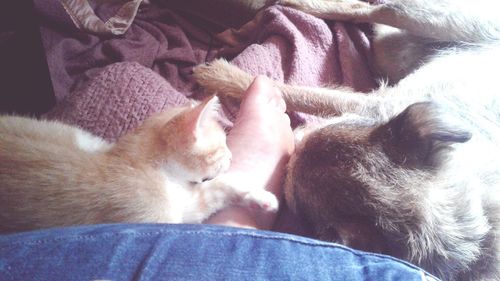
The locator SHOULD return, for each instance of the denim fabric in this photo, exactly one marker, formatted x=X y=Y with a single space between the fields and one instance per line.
x=187 y=252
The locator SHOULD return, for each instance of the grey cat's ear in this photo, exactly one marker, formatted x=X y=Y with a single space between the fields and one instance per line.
x=421 y=132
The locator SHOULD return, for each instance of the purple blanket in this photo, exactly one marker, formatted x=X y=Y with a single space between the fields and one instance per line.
x=108 y=85
x=158 y=39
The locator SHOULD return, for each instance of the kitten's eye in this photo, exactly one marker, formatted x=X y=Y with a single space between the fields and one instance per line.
x=206 y=179
x=202 y=180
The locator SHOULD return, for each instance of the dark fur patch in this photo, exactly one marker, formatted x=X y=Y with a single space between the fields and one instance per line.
x=368 y=187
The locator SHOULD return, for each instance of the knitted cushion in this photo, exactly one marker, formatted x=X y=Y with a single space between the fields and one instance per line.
x=116 y=100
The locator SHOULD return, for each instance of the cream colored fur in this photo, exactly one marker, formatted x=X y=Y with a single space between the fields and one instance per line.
x=168 y=170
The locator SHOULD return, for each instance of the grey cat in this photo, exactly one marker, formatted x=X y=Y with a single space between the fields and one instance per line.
x=413 y=169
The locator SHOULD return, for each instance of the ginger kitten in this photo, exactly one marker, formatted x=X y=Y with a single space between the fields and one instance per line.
x=52 y=174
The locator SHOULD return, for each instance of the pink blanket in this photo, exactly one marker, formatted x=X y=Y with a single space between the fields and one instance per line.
x=281 y=43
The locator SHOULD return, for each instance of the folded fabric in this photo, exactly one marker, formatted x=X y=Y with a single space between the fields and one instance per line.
x=280 y=42
x=158 y=38
x=115 y=17
x=109 y=99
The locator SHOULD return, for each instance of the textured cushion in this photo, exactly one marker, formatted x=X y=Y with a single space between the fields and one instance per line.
x=117 y=99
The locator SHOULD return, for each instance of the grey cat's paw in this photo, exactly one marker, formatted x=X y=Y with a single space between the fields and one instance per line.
x=304 y=5
x=345 y=10
x=221 y=77
x=292 y=3
x=261 y=200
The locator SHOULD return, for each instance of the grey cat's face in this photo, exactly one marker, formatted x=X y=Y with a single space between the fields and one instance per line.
x=363 y=185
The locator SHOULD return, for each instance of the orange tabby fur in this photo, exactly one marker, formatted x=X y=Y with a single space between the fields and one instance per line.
x=52 y=174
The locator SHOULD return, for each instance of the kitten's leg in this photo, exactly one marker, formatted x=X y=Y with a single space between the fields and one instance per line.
x=254 y=197
x=221 y=77
x=226 y=190
x=445 y=20
x=230 y=189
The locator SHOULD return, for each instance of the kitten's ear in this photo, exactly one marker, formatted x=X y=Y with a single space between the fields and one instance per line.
x=199 y=115
x=421 y=131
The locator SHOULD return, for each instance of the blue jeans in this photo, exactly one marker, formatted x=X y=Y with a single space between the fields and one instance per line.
x=187 y=252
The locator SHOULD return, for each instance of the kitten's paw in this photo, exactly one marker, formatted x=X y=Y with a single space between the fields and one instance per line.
x=261 y=200
x=221 y=77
